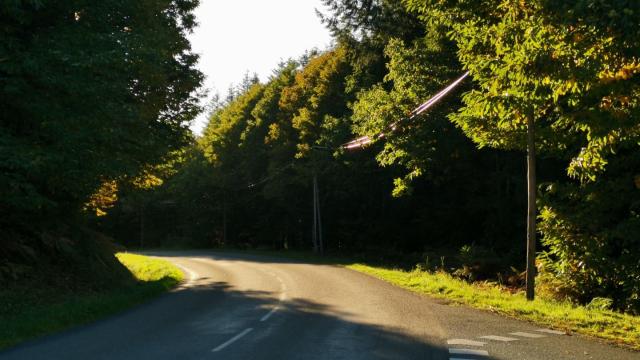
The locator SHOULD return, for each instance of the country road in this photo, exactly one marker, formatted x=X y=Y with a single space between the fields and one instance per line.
x=239 y=306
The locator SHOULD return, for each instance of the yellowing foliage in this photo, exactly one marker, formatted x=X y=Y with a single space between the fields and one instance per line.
x=147 y=181
x=103 y=199
x=623 y=73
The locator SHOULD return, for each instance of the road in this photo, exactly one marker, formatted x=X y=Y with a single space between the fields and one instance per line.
x=239 y=306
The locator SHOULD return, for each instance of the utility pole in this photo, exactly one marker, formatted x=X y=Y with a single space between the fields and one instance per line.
x=224 y=217
x=531 y=209
x=316 y=237
x=317 y=213
x=314 y=229
x=142 y=226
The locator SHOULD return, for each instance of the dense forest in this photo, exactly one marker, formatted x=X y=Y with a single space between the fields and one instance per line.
x=91 y=93
x=95 y=104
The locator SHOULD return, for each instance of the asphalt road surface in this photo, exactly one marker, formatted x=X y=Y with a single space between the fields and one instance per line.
x=238 y=306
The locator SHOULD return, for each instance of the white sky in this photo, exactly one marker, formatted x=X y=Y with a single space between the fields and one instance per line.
x=236 y=36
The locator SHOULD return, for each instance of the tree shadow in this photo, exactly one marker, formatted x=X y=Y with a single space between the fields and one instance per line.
x=257 y=256
x=191 y=322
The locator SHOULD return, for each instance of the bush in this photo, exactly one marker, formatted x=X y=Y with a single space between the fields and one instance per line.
x=478 y=263
x=592 y=233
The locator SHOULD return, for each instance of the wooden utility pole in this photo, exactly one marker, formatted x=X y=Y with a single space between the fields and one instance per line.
x=224 y=217
x=531 y=209
x=317 y=196
x=142 y=227
x=316 y=237
x=314 y=229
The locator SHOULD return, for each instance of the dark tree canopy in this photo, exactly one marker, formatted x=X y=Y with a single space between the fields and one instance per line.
x=90 y=92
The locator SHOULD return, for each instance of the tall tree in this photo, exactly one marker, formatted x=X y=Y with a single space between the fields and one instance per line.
x=91 y=91
x=567 y=78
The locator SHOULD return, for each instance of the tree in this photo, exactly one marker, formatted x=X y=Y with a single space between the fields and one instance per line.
x=91 y=91
x=364 y=28
x=566 y=78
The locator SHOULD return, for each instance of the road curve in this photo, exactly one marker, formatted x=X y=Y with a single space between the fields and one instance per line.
x=239 y=306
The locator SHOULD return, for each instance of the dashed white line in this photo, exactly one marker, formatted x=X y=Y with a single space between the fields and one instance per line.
x=465 y=342
x=459 y=358
x=268 y=315
x=232 y=340
x=527 y=335
x=468 y=352
x=498 y=338
x=282 y=296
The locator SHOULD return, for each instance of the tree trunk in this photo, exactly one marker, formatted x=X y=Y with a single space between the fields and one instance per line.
x=531 y=209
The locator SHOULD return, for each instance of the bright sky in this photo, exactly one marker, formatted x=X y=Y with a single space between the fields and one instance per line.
x=236 y=36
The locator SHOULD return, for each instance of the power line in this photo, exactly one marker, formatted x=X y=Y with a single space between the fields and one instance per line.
x=362 y=141
x=277 y=172
x=365 y=140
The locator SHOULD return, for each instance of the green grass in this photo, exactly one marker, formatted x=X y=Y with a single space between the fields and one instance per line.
x=611 y=326
x=34 y=309
x=147 y=269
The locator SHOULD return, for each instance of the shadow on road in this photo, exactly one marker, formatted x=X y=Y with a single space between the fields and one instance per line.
x=257 y=256
x=193 y=321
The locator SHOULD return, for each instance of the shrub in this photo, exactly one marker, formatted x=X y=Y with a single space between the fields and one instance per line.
x=592 y=233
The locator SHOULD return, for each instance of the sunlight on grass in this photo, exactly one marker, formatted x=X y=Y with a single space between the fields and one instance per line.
x=615 y=327
x=149 y=269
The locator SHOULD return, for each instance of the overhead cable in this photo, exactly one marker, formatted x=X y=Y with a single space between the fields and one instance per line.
x=365 y=140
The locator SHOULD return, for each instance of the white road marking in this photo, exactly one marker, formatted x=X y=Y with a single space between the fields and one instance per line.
x=283 y=288
x=465 y=342
x=468 y=352
x=549 y=331
x=232 y=340
x=193 y=276
x=498 y=338
x=459 y=359
x=268 y=315
x=527 y=335
x=283 y=292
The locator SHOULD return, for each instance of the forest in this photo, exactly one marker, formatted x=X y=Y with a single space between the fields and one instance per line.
x=95 y=142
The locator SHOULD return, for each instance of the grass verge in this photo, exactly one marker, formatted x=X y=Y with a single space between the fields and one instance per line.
x=611 y=326
x=35 y=309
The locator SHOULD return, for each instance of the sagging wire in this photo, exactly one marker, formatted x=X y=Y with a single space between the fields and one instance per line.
x=277 y=172
x=366 y=140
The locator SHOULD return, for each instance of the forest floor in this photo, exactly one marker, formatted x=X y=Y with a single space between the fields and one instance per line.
x=36 y=308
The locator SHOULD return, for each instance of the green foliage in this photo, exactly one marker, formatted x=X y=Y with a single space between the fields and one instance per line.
x=315 y=98
x=573 y=74
x=571 y=67
x=364 y=28
x=91 y=91
x=415 y=73
x=591 y=231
